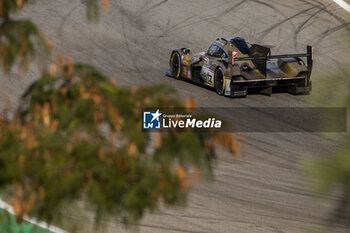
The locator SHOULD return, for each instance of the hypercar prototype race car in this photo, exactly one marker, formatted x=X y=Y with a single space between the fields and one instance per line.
x=233 y=66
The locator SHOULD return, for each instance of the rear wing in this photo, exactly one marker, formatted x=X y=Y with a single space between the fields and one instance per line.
x=261 y=61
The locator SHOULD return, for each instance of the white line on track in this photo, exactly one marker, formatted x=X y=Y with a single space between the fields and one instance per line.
x=8 y=208
x=343 y=4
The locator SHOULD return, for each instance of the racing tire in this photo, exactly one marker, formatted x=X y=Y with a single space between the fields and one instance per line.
x=219 y=81
x=176 y=65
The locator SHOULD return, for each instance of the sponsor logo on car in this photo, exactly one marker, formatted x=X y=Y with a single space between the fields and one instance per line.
x=234 y=53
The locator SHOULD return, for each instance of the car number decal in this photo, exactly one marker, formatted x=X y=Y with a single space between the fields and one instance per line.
x=207 y=75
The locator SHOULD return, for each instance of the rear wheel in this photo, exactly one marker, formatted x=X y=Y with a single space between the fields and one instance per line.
x=219 y=81
x=175 y=65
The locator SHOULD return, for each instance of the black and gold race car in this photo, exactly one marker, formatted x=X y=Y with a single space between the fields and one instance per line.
x=233 y=66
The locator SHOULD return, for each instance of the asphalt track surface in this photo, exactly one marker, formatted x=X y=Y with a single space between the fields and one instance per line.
x=262 y=192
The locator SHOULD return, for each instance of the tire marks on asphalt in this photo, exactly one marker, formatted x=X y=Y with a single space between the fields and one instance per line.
x=144 y=32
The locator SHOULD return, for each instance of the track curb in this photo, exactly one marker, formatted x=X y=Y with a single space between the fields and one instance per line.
x=343 y=4
x=43 y=225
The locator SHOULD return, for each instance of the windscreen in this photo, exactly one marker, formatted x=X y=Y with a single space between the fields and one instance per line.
x=216 y=51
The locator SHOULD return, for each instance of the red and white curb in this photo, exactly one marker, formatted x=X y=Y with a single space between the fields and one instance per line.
x=343 y=4
x=43 y=225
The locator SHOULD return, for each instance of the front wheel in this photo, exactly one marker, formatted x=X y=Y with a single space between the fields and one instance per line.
x=219 y=81
x=175 y=65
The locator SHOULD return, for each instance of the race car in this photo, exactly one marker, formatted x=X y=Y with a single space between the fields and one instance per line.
x=232 y=66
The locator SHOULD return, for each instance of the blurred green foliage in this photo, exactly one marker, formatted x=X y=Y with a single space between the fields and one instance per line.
x=80 y=136
x=92 y=9
x=331 y=172
x=21 y=41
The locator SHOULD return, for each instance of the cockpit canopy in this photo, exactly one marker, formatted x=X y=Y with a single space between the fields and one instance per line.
x=216 y=51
